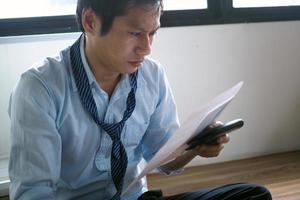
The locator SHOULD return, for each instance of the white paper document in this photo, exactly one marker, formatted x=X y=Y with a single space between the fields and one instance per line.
x=195 y=123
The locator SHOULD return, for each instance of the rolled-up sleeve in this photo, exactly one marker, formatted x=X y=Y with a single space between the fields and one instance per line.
x=35 y=158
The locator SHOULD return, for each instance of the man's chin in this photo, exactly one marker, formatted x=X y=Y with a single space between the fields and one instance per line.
x=131 y=70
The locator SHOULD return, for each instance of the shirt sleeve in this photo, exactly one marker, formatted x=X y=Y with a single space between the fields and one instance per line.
x=35 y=157
x=163 y=122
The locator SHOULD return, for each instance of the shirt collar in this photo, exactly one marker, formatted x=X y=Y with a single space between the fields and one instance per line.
x=86 y=66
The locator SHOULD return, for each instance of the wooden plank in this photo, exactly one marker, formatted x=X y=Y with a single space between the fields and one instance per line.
x=279 y=172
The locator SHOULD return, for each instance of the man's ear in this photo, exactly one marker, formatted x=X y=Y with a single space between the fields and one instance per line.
x=90 y=21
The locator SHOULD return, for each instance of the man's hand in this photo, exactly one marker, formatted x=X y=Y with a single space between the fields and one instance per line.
x=205 y=150
x=212 y=149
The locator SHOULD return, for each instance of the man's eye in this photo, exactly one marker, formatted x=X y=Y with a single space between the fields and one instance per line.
x=135 y=34
x=153 y=33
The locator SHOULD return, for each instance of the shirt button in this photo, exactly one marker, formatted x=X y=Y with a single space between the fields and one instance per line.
x=100 y=162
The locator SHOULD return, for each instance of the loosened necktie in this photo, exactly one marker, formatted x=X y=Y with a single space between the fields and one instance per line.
x=118 y=154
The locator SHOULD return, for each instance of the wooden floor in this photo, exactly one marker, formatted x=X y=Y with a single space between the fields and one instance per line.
x=280 y=173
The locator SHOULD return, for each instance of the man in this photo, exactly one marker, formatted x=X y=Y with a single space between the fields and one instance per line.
x=83 y=122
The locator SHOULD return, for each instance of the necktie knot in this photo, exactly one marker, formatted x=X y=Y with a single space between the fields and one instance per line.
x=113 y=130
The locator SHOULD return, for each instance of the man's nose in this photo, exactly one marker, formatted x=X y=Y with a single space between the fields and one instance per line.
x=144 y=47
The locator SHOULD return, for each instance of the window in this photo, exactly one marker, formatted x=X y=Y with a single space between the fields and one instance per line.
x=186 y=5
x=57 y=16
x=41 y=8
x=264 y=3
x=261 y=10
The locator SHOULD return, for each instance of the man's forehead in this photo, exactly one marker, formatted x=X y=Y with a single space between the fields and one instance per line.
x=143 y=17
x=143 y=25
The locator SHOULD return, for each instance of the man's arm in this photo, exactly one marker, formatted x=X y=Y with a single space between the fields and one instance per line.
x=35 y=158
x=163 y=123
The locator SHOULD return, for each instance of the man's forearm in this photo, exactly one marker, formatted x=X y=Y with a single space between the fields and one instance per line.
x=180 y=161
x=204 y=150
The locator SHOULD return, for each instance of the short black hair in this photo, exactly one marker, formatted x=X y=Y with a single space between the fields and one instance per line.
x=107 y=10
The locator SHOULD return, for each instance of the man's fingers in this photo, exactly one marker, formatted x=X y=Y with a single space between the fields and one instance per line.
x=215 y=124
x=223 y=139
x=209 y=150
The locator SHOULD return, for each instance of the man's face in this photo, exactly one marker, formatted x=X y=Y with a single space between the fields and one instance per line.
x=128 y=41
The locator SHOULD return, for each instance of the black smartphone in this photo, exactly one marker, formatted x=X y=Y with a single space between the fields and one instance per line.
x=209 y=135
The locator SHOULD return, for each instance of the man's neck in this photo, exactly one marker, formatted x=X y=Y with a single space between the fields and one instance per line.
x=106 y=78
x=109 y=85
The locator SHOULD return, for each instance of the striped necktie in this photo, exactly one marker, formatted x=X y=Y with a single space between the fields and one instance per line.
x=118 y=153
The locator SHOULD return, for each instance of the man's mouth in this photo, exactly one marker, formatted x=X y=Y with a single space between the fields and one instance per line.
x=135 y=63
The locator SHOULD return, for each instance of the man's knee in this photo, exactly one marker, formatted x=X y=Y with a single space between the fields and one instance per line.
x=241 y=191
x=260 y=192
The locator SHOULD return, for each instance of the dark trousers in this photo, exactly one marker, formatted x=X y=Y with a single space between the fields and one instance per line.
x=237 y=191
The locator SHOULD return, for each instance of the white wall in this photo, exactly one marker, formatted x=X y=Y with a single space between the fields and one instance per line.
x=202 y=61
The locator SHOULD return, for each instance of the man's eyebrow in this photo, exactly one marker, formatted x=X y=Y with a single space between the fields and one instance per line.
x=155 y=30
x=143 y=30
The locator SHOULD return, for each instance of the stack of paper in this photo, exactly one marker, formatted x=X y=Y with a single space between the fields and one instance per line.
x=197 y=121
